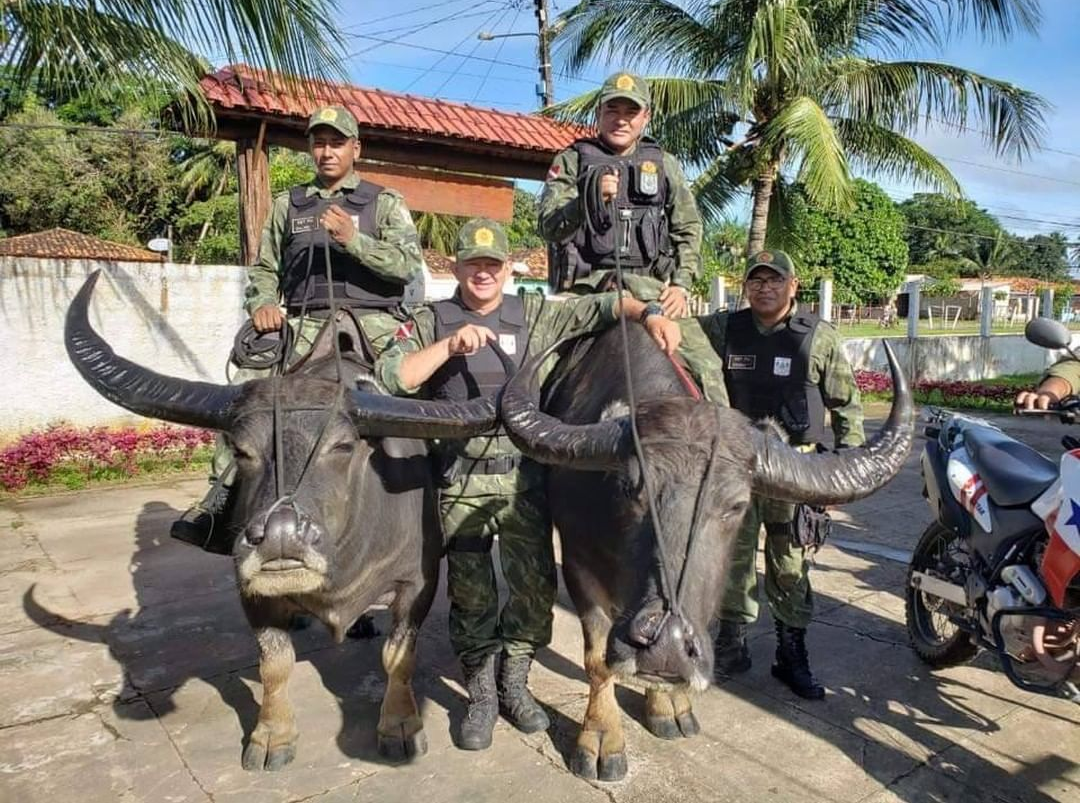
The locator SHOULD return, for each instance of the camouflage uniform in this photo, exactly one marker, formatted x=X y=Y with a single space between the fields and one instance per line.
x=477 y=507
x=394 y=255
x=787 y=581
x=561 y=216
x=1067 y=369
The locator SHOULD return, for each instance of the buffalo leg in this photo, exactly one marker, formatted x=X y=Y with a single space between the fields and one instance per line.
x=668 y=714
x=601 y=748
x=273 y=742
x=401 y=730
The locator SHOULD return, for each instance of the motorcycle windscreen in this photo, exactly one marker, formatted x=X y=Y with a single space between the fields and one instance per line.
x=1039 y=649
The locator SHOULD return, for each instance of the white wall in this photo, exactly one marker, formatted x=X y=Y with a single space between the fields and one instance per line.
x=177 y=318
x=181 y=319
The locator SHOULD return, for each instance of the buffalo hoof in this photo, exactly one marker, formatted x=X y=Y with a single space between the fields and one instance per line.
x=402 y=746
x=663 y=727
x=688 y=724
x=587 y=765
x=258 y=757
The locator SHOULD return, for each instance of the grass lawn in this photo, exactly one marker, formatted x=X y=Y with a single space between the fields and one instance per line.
x=874 y=330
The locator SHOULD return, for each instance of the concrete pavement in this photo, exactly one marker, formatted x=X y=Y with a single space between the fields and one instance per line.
x=127 y=672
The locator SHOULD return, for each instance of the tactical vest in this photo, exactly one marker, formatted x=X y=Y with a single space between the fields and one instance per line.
x=469 y=377
x=641 y=210
x=355 y=285
x=768 y=375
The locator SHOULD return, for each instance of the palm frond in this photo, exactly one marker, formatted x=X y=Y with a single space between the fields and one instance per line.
x=636 y=32
x=714 y=189
x=804 y=132
x=903 y=95
x=57 y=45
x=883 y=152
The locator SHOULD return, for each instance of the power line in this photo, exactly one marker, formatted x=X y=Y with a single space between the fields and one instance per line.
x=417 y=27
x=1009 y=170
x=493 y=23
x=498 y=52
x=961 y=127
x=397 y=39
x=399 y=14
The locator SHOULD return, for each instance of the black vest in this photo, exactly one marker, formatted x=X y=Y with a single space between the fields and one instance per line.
x=641 y=203
x=469 y=377
x=767 y=375
x=354 y=284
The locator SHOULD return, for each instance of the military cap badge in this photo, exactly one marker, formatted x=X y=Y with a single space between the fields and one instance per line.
x=484 y=237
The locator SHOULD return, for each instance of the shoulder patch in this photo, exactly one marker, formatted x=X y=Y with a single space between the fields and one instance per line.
x=553 y=172
x=404 y=332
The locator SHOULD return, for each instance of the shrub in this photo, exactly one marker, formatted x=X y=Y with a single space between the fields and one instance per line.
x=73 y=456
x=989 y=394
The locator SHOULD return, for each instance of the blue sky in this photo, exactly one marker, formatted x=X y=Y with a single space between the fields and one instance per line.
x=393 y=46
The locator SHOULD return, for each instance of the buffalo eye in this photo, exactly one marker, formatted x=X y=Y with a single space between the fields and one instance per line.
x=345 y=447
x=242 y=454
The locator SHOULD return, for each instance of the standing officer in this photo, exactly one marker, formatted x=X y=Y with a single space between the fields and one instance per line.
x=657 y=223
x=787 y=364
x=374 y=253
x=489 y=489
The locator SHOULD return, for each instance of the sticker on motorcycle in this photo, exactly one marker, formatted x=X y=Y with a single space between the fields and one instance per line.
x=968 y=488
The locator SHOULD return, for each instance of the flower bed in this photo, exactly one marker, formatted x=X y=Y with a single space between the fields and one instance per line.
x=989 y=394
x=69 y=457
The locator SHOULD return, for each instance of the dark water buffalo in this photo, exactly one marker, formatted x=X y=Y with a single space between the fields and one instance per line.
x=645 y=602
x=331 y=514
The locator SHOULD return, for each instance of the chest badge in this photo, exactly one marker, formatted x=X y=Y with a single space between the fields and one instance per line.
x=781 y=366
x=649 y=179
x=508 y=343
x=742 y=362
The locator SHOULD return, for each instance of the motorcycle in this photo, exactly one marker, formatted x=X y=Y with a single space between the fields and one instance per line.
x=999 y=567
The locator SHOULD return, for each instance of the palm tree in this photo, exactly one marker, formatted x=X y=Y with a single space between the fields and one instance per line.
x=204 y=175
x=58 y=47
x=794 y=78
x=437 y=231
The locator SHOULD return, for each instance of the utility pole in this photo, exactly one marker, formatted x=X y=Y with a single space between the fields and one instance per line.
x=546 y=88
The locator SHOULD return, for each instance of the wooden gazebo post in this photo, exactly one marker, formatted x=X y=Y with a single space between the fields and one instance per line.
x=253 y=179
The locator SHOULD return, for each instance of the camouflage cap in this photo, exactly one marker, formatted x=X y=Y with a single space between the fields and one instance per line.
x=626 y=85
x=776 y=260
x=482 y=237
x=336 y=117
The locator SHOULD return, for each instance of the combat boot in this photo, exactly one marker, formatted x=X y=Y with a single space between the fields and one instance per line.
x=206 y=524
x=515 y=700
x=793 y=664
x=483 y=708
x=731 y=656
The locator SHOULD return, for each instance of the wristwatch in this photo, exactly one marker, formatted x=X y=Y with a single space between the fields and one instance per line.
x=652 y=308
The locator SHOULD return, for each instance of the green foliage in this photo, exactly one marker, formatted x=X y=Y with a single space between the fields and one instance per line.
x=1043 y=256
x=864 y=250
x=522 y=233
x=120 y=187
x=942 y=228
x=943 y=287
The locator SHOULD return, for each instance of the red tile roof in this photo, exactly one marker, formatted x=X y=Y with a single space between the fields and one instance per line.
x=65 y=244
x=244 y=88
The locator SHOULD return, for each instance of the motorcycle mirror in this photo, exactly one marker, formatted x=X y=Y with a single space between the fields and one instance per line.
x=1047 y=333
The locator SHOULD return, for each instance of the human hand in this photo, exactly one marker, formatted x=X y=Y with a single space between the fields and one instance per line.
x=268 y=318
x=609 y=186
x=338 y=224
x=469 y=340
x=665 y=332
x=674 y=300
x=1034 y=400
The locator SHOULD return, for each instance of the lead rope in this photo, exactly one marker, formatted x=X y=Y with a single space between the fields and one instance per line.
x=666 y=584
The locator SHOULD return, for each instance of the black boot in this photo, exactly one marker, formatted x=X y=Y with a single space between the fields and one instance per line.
x=483 y=708
x=731 y=656
x=515 y=700
x=206 y=524
x=793 y=664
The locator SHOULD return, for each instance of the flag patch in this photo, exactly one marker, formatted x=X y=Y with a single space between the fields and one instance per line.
x=404 y=332
x=553 y=172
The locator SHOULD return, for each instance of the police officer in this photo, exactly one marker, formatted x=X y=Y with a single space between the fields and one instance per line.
x=785 y=363
x=373 y=252
x=488 y=488
x=658 y=226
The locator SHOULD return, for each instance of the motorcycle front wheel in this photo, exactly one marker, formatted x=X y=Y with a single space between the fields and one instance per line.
x=934 y=636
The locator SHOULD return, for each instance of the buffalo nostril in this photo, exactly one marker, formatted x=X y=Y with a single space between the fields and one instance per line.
x=254 y=535
x=645 y=628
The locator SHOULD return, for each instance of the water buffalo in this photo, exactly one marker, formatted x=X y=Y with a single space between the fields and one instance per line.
x=334 y=508
x=645 y=601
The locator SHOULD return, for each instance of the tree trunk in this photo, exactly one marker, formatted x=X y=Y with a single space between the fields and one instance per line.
x=759 y=218
x=253 y=172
